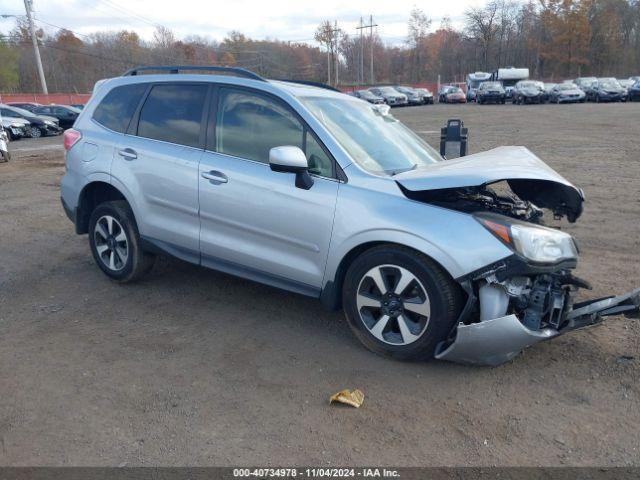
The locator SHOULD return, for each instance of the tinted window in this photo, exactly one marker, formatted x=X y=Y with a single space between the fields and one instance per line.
x=172 y=113
x=117 y=108
x=249 y=125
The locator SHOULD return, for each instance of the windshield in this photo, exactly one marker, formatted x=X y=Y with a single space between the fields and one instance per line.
x=489 y=85
x=388 y=90
x=609 y=84
x=567 y=86
x=378 y=143
x=454 y=90
x=528 y=84
x=366 y=94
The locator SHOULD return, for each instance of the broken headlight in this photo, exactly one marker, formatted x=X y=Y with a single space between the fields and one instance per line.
x=535 y=243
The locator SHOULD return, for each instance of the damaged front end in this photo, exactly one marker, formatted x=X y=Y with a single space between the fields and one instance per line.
x=513 y=305
x=527 y=297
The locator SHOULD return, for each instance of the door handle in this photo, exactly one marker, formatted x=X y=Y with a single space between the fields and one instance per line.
x=128 y=154
x=215 y=177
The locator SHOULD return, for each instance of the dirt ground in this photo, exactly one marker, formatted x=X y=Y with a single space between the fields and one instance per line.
x=194 y=367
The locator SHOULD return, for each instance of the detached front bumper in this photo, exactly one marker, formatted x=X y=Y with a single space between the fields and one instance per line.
x=497 y=340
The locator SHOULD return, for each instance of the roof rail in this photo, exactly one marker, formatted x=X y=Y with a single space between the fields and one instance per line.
x=310 y=83
x=240 y=72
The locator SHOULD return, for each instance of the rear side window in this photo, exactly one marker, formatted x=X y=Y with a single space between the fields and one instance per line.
x=118 y=106
x=173 y=113
x=248 y=125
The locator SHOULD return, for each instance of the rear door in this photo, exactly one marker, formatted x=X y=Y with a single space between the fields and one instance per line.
x=157 y=161
x=255 y=222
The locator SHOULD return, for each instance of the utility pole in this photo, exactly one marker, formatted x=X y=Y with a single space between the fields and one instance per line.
x=328 y=65
x=28 y=5
x=335 y=31
x=370 y=27
x=361 y=59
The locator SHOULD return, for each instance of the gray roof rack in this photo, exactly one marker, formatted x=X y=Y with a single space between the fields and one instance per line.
x=239 y=72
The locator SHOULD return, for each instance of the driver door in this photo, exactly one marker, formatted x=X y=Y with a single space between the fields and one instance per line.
x=255 y=222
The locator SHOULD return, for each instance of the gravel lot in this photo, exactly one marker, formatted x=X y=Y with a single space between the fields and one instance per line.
x=194 y=367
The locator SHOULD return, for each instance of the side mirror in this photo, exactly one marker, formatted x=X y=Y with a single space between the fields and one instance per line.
x=291 y=159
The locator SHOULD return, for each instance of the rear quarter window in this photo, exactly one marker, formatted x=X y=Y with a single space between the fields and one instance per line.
x=118 y=106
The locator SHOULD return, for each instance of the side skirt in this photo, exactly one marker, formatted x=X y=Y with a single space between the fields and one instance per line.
x=218 y=264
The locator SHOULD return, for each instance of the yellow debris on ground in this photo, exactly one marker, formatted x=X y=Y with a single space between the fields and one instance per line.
x=348 y=397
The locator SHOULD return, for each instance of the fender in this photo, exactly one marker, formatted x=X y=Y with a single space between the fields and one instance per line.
x=332 y=283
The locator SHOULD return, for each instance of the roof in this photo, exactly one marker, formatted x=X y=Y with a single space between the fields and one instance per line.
x=291 y=88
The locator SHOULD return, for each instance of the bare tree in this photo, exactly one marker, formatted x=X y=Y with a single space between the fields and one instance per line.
x=481 y=25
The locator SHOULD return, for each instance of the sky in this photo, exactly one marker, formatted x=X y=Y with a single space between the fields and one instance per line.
x=289 y=20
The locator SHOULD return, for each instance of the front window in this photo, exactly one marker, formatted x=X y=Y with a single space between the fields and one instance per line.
x=378 y=142
x=454 y=90
x=491 y=85
x=249 y=125
x=610 y=84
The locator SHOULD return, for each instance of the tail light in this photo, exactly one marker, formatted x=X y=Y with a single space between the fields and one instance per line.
x=71 y=137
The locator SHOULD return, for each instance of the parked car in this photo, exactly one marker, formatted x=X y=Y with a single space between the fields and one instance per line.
x=65 y=114
x=528 y=91
x=79 y=106
x=491 y=92
x=634 y=91
x=413 y=96
x=391 y=96
x=425 y=258
x=443 y=91
x=29 y=106
x=626 y=83
x=455 y=95
x=39 y=125
x=368 y=96
x=15 y=128
x=427 y=96
x=608 y=90
x=585 y=83
x=566 y=93
x=547 y=90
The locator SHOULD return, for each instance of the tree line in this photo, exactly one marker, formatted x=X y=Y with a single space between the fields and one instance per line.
x=554 y=38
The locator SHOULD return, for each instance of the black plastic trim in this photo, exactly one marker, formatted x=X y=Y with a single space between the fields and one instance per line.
x=218 y=264
x=175 y=69
x=515 y=265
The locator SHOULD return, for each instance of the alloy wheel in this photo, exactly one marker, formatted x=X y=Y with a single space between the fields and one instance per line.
x=111 y=243
x=35 y=132
x=393 y=304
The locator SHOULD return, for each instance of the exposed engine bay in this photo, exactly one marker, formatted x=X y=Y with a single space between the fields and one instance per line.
x=482 y=199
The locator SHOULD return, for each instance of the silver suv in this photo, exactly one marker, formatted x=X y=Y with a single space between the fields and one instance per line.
x=319 y=193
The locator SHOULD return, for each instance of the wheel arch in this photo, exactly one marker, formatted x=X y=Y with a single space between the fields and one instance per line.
x=331 y=295
x=93 y=194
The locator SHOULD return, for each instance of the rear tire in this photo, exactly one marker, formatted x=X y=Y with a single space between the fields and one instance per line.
x=115 y=242
x=417 y=310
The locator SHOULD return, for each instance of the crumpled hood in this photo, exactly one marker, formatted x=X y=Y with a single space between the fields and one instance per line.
x=529 y=177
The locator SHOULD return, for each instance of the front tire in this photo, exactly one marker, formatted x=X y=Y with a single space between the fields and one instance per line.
x=115 y=242
x=399 y=303
x=35 y=132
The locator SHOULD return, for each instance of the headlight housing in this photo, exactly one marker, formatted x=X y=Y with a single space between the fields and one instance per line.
x=535 y=243
x=49 y=122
